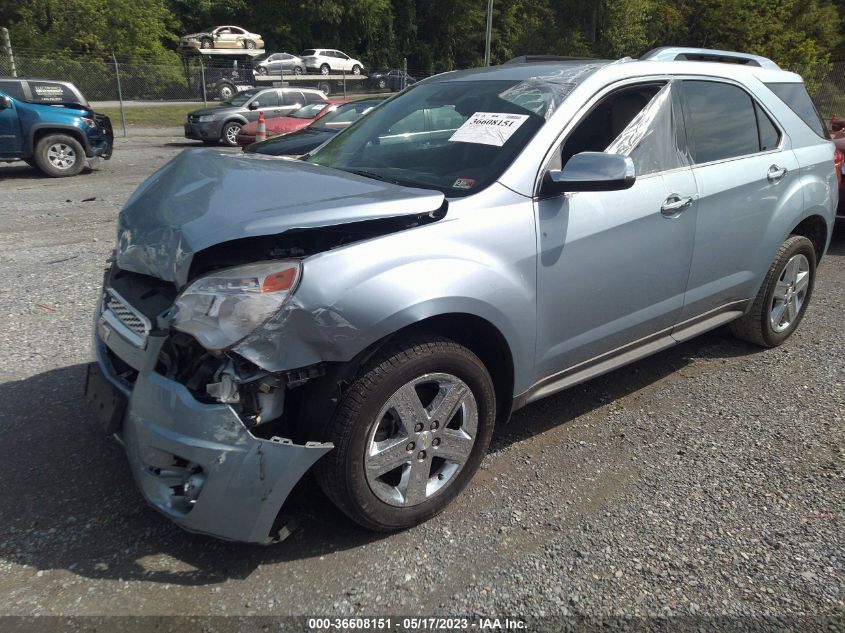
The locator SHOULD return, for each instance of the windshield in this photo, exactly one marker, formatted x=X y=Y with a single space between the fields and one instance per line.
x=455 y=137
x=343 y=116
x=241 y=98
x=309 y=111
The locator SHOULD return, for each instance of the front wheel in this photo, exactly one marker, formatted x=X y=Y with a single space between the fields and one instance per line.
x=409 y=433
x=297 y=70
x=783 y=298
x=229 y=135
x=249 y=44
x=206 y=43
x=58 y=155
x=356 y=69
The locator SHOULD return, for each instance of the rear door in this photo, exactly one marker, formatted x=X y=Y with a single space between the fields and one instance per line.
x=745 y=174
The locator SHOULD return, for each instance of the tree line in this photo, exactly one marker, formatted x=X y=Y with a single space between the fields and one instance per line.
x=437 y=35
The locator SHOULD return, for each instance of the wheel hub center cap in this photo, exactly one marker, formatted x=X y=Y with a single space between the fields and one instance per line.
x=424 y=439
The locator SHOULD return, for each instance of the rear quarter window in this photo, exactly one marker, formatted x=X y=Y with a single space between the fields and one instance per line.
x=49 y=92
x=795 y=95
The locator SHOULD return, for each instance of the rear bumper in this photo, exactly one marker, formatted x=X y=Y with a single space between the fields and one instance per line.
x=197 y=463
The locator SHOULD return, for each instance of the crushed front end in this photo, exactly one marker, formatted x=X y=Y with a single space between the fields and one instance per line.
x=208 y=436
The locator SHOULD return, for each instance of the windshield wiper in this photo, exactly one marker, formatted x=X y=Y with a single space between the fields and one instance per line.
x=373 y=175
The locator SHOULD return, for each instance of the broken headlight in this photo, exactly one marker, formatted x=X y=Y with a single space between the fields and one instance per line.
x=222 y=308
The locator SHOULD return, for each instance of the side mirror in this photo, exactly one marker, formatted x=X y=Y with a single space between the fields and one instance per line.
x=5 y=103
x=590 y=171
x=254 y=105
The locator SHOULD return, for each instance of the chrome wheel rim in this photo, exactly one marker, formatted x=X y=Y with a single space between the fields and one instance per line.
x=61 y=156
x=421 y=439
x=325 y=69
x=232 y=134
x=225 y=94
x=790 y=293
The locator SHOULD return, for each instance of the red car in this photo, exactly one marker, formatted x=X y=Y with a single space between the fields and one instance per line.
x=837 y=133
x=296 y=120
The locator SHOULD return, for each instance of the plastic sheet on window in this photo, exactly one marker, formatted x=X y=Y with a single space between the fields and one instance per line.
x=543 y=94
x=651 y=137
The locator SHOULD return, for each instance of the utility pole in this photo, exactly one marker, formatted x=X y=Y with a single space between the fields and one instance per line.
x=489 y=29
x=7 y=48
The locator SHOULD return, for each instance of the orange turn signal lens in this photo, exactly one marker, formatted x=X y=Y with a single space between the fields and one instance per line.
x=282 y=280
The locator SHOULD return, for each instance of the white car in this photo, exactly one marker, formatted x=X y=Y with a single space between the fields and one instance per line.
x=328 y=60
x=223 y=37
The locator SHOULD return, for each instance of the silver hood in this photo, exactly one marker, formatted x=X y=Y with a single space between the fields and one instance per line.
x=205 y=197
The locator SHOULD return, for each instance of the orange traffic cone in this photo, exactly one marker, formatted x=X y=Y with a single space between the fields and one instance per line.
x=261 y=133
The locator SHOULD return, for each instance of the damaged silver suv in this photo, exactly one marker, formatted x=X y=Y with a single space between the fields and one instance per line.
x=484 y=239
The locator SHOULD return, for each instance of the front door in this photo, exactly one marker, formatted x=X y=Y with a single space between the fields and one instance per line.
x=10 y=131
x=613 y=266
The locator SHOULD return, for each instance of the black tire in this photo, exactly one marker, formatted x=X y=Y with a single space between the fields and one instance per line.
x=382 y=83
x=206 y=43
x=756 y=325
x=325 y=87
x=261 y=70
x=341 y=473
x=249 y=44
x=325 y=69
x=54 y=151
x=297 y=70
x=226 y=91
x=229 y=133
x=356 y=69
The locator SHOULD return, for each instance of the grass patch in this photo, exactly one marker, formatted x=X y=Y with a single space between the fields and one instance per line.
x=151 y=116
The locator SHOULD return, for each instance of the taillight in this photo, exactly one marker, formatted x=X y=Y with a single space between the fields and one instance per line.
x=838 y=159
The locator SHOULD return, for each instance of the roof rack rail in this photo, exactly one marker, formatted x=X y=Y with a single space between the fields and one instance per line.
x=531 y=59
x=678 y=53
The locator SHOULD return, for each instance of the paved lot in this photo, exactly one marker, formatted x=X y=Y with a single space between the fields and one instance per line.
x=707 y=480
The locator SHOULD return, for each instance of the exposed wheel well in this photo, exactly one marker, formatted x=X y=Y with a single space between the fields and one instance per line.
x=485 y=341
x=47 y=131
x=814 y=228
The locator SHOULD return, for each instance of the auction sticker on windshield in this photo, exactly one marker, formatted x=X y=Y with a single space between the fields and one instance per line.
x=489 y=128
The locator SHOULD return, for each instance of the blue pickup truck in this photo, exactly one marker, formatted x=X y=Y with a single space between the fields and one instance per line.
x=51 y=126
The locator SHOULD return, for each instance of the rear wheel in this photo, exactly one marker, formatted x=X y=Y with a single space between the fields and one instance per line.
x=356 y=69
x=226 y=92
x=229 y=134
x=261 y=70
x=324 y=69
x=409 y=433
x=59 y=155
x=783 y=298
x=325 y=87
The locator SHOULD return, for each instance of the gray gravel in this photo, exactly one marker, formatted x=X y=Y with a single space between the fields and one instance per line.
x=704 y=481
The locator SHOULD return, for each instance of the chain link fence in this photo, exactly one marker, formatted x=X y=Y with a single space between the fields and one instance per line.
x=828 y=91
x=194 y=79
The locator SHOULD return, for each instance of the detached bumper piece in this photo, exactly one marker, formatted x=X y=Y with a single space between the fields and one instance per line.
x=195 y=462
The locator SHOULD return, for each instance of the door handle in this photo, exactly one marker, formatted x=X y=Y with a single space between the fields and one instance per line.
x=776 y=173
x=675 y=205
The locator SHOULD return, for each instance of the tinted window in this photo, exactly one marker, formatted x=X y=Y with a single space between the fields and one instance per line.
x=13 y=88
x=307 y=52
x=769 y=134
x=722 y=123
x=796 y=97
x=269 y=99
x=313 y=97
x=293 y=97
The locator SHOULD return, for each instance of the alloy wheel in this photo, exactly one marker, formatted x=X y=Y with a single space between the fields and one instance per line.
x=61 y=156
x=790 y=293
x=232 y=134
x=420 y=440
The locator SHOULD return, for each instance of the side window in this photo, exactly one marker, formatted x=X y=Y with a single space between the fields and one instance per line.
x=769 y=134
x=721 y=121
x=13 y=88
x=293 y=97
x=313 y=97
x=606 y=122
x=268 y=99
x=795 y=95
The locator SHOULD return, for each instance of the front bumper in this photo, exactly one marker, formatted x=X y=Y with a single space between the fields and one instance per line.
x=197 y=463
x=203 y=131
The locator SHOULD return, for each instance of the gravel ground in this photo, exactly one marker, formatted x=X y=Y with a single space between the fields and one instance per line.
x=705 y=481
